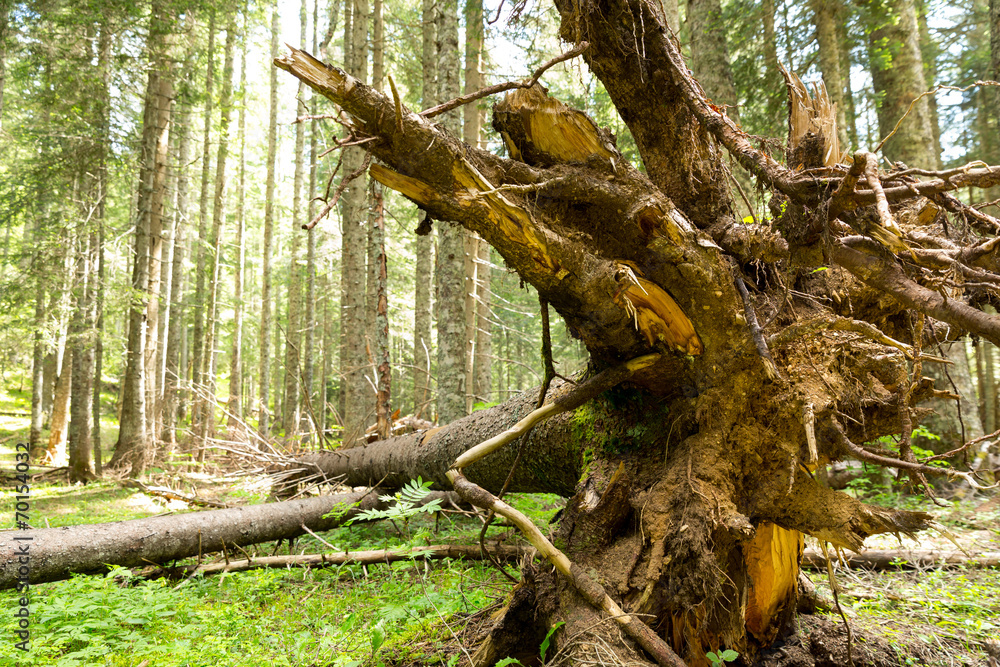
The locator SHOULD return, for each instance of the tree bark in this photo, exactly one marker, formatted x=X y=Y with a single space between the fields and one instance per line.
x=57 y=553
x=710 y=54
x=450 y=268
x=264 y=370
x=235 y=407
x=134 y=448
x=207 y=392
x=826 y=15
x=80 y=440
x=897 y=69
x=422 y=268
x=202 y=244
x=354 y=359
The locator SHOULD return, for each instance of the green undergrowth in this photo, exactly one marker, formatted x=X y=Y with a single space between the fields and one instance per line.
x=407 y=613
x=954 y=610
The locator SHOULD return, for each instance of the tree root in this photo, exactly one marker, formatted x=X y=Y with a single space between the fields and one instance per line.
x=591 y=590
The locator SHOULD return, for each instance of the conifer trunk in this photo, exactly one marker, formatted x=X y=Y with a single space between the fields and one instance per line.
x=264 y=370
x=134 y=448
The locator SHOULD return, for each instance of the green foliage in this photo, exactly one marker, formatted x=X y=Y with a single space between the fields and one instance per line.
x=406 y=505
x=544 y=647
x=717 y=659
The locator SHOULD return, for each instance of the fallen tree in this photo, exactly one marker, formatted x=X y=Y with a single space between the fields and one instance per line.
x=691 y=483
x=904 y=559
x=57 y=553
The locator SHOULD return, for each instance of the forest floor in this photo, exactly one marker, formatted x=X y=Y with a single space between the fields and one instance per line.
x=423 y=613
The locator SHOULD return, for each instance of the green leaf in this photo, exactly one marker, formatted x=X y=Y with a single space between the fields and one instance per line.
x=822 y=268
x=712 y=658
x=508 y=661
x=377 y=637
x=729 y=655
x=544 y=647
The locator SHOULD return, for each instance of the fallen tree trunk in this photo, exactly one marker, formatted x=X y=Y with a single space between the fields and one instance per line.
x=500 y=552
x=52 y=554
x=903 y=559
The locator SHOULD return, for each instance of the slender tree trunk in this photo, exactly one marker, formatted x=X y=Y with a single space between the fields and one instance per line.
x=482 y=389
x=987 y=384
x=376 y=235
x=825 y=15
x=471 y=133
x=309 y=325
x=175 y=370
x=4 y=13
x=56 y=453
x=133 y=450
x=354 y=360
x=218 y=223
x=266 y=326
x=81 y=467
x=104 y=64
x=423 y=267
x=450 y=280
x=293 y=330
x=201 y=245
x=929 y=53
x=235 y=419
x=37 y=370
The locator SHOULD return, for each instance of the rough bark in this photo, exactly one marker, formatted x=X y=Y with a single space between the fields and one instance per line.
x=422 y=269
x=264 y=370
x=59 y=422
x=57 y=553
x=235 y=407
x=483 y=388
x=201 y=244
x=134 y=448
x=354 y=359
x=80 y=438
x=898 y=71
x=710 y=54
x=450 y=267
x=826 y=14
x=175 y=371
x=215 y=240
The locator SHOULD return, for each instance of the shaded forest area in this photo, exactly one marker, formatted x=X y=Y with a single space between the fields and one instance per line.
x=738 y=292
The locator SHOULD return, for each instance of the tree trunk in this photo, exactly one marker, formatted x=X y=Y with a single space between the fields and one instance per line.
x=825 y=15
x=471 y=133
x=483 y=387
x=57 y=553
x=235 y=408
x=691 y=483
x=175 y=371
x=354 y=359
x=81 y=445
x=710 y=55
x=134 y=449
x=264 y=370
x=293 y=330
x=59 y=422
x=422 y=268
x=202 y=245
x=450 y=268
x=207 y=425
x=897 y=70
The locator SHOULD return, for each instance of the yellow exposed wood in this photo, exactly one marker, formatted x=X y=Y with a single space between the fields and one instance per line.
x=562 y=133
x=772 y=559
x=816 y=114
x=413 y=188
x=655 y=313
